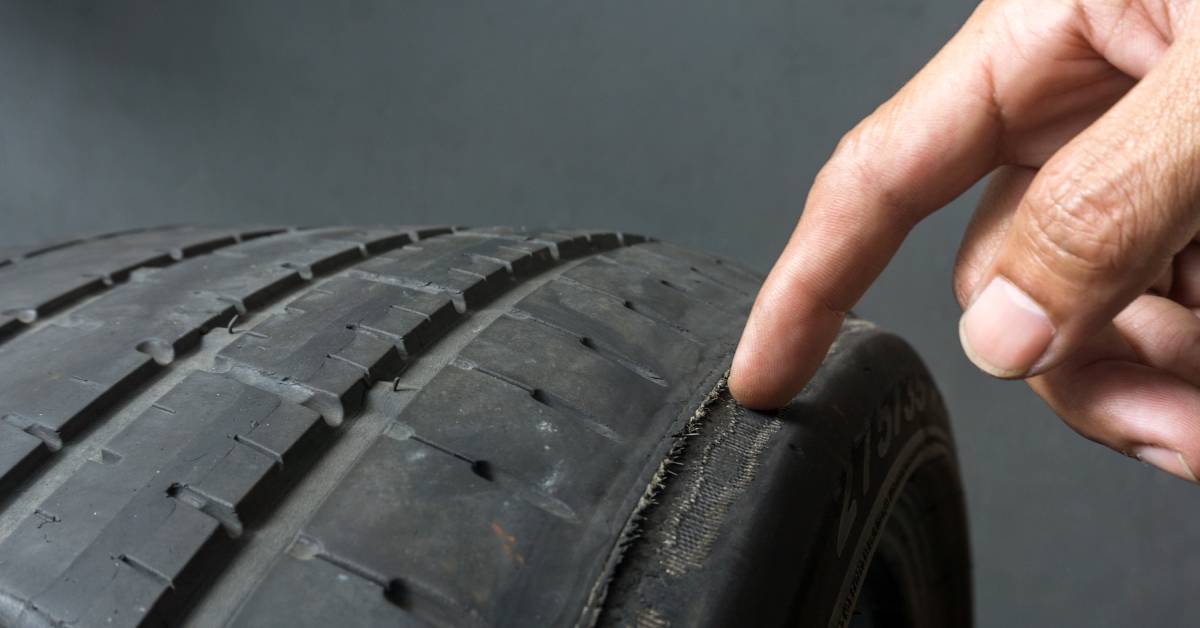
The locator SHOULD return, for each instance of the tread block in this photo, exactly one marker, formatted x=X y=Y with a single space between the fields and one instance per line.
x=610 y=329
x=144 y=577
x=474 y=267
x=121 y=513
x=561 y=244
x=733 y=276
x=255 y=273
x=62 y=392
x=155 y=310
x=332 y=338
x=310 y=591
x=52 y=279
x=550 y=457
x=654 y=296
x=15 y=254
x=706 y=281
x=486 y=540
x=565 y=372
x=564 y=243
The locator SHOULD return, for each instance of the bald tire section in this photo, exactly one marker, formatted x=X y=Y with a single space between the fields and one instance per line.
x=437 y=426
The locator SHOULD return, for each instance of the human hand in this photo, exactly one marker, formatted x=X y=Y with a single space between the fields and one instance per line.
x=1080 y=270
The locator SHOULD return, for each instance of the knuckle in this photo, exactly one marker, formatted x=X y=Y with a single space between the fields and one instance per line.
x=861 y=143
x=850 y=163
x=1083 y=224
x=859 y=164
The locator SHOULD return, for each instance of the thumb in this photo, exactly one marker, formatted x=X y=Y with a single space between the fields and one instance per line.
x=1096 y=228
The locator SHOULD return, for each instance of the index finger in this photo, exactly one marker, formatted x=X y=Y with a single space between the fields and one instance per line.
x=926 y=145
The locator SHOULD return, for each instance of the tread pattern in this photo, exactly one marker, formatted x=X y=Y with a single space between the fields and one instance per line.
x=37 y=282
x=549 y=436
x=525 y=460
x=16 y=253
x=113 y=344
x=121 y=531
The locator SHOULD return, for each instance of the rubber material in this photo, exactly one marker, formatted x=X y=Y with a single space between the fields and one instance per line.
x=413 y=425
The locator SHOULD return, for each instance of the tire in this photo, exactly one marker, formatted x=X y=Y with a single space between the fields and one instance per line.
x=436 y=426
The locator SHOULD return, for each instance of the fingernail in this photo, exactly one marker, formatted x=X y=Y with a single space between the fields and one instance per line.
x=1170 y=461
x=1004 y=331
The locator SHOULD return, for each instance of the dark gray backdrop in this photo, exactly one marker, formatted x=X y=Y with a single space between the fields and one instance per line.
x=697 y=121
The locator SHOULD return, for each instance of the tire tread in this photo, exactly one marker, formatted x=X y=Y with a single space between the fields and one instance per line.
x=138 y=532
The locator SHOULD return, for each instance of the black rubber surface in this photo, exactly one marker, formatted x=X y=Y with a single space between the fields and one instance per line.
x=417 y=425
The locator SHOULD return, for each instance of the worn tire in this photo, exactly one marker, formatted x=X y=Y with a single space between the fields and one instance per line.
x=414 y=425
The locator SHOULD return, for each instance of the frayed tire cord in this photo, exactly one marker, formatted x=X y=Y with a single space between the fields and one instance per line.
x=632 y=528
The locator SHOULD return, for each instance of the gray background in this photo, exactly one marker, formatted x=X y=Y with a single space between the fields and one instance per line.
x=697 y=121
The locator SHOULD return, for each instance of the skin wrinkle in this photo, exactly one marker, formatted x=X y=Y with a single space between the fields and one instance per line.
x=1062 y=28
x=1073 y=231
x=849 y=161
x=996 y=109
x=1089 y=22
x=1162 y=25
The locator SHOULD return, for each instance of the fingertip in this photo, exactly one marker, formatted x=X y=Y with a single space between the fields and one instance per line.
x=756 y=387
x=752 y=395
